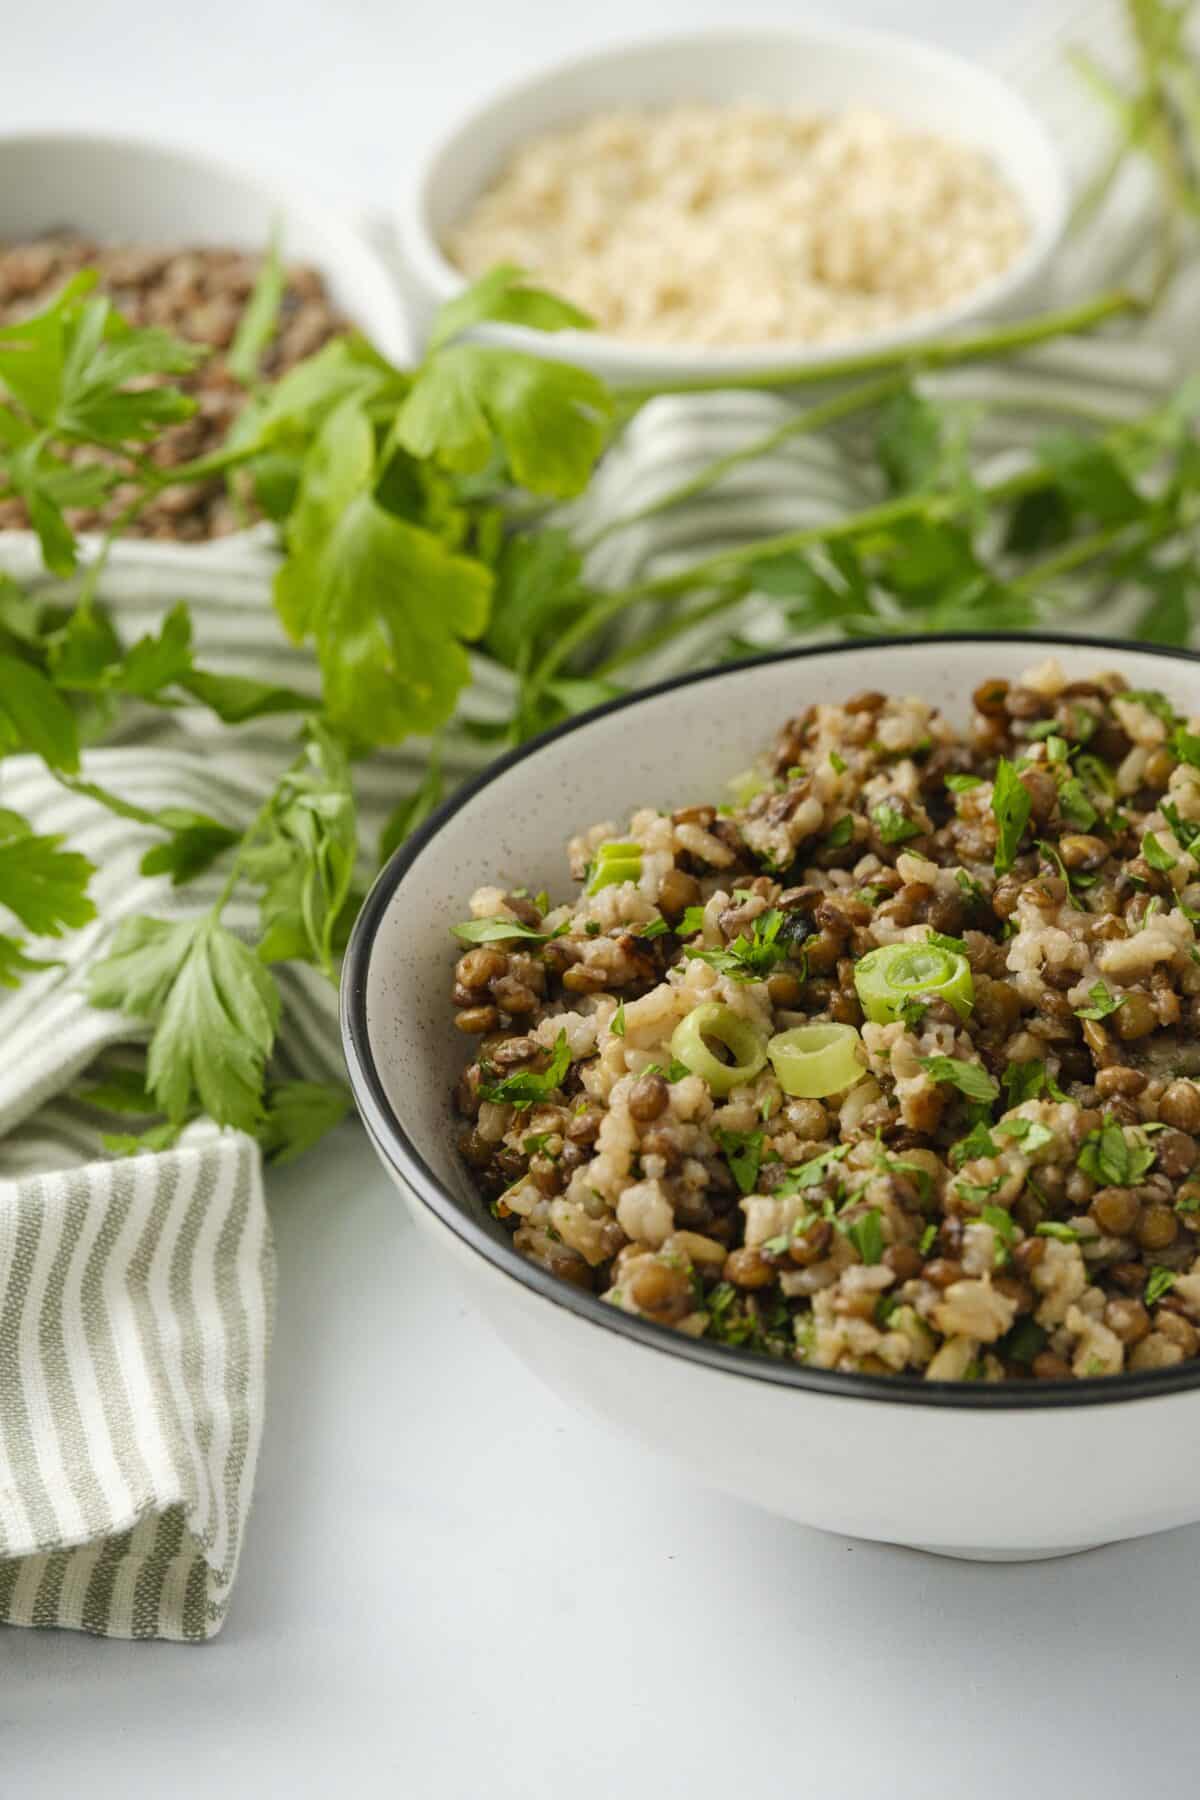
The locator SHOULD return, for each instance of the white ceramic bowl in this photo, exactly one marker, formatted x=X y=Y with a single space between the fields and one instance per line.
x=143 y=191
x=1017 y=1470
x=811 y=69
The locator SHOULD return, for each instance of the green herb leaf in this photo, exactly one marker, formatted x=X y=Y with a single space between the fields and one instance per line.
x=259 y=320
x=840 y=832
x=42 y=884
x=811 y=1173
x=866 y=1234
x=302 y=854
x=387 y=603
x=1074 y=804
x=978 y=1142
x=1052 y=1228
x=1011 y=806
x=498 y=930
x=893 y=824
x=1029 y=1081
x=549 y=417
x=504 y=296
x=962 y=784
x=691 y=922
x=1154 y=853
x=1112 y=1159
x=1103 y=1003
x=1160 y=1282
x=969 y=1078
x=523 y=1088
x=749 y=958
x=298 y=1115
x=742 y=1150
x=214 y=1008
x=1031 y=1134
x=928 y=1238
x=1004 y=1226
x=617 y=1023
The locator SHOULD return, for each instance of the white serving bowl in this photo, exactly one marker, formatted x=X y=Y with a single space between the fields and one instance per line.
x=1012 y=1471
x=134 y=190
x=812 y=69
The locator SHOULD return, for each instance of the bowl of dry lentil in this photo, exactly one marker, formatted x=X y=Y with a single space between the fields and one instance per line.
x=728 y=202
x=177 y=238
x=799 y=1065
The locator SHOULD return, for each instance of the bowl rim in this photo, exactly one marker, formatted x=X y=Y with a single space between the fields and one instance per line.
x=628 y=359
x=400 y=1154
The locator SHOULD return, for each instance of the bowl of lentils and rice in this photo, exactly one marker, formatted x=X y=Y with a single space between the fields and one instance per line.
x=800 y=1062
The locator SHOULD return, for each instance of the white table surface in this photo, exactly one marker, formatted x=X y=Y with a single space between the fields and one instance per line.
x=452 y=1587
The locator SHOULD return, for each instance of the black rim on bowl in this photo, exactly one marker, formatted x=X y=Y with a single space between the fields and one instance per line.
x=401 y=1154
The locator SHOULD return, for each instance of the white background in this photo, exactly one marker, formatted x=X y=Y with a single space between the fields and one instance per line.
x=451 y=1587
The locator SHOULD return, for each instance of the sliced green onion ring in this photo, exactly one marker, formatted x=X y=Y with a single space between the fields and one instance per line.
x=814 y=1061
x=712 y=1020
x=613 y=864
x=887 y=977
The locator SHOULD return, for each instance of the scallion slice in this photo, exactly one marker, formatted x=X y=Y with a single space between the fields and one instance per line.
x=814 y=1061
x=613 y=864
x=716 y=1023
x=895 y=973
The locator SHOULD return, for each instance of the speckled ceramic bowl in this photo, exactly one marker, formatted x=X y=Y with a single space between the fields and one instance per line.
x=1013 y=1471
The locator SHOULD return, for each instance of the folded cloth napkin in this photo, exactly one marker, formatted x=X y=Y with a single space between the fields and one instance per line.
x=135 y=1312
x=135 y=1297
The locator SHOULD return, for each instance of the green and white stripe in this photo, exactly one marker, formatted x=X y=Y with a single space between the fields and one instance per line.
x=133 y=1336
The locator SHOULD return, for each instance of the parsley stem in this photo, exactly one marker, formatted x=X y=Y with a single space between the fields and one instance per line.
x=813 y=418
x=1000 y=340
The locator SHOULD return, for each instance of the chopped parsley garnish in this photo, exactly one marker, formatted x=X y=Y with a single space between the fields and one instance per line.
x=976 y=1192
x=1103 y=1003
x=840 y=832
x=677 y=1071
x=866 y=1234
x=1074 y=804
x=742 y=1150
x=978 y=1142
x=893 y=823
x=691 y=922
x=962 y=784
x=1153 y=700
x=837 y=763
x=811 y=1173
x=522 y=1089
x=1029 y=1081
x=1161 y=1282
x=1156 y=855
x=970 y=889
x=920 y=1177
x=928 y=1239
x=1056 y=749
x=1031 y=1134
x=656 y=928
x=1186 y=830
x=617 y=1022
x=749 y=958
x=492 y=931
x=1004 y=1226
x=1108 y=1156
x=1053 y=1228
x=969 y=1078
x=1186 y=746
x=1011 y=806
x=536 y=1142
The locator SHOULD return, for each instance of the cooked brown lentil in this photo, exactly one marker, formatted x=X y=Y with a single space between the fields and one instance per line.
x=1026 y=1204
x=199 y=295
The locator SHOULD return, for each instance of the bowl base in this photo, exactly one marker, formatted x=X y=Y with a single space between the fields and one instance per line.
x=1013 y=1556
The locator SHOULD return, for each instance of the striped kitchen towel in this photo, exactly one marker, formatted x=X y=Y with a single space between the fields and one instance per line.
x=134 y=1318
x=135 y=1297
